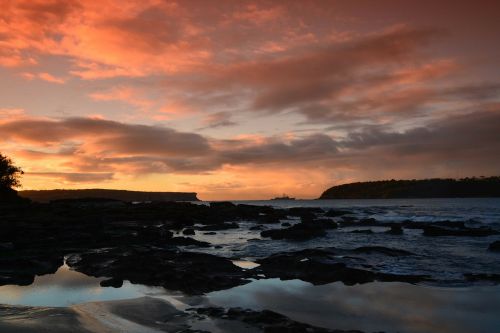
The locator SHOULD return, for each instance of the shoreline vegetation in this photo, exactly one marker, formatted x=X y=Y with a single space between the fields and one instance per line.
x=122 y=195
x=474 y=187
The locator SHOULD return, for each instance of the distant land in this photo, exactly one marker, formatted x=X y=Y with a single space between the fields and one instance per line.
x=425 y=188
x=48 y=195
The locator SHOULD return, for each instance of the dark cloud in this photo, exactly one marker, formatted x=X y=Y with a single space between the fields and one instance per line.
x=218 y=119
x=315 y=79
x=465 y=144
x=108 y=136
x=75 y=177
x=274 y=150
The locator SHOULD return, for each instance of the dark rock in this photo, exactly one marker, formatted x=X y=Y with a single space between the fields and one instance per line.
x=285 y=224
x=188 y=231
x=221 y=226
x=190 y=272
x=210 y=233
x=20 y=268
x=323 y=223
x=298 y=232
x=256 y=228
x=482 y=277
x=369 y=221
x=7 y=246
x=305 y=212
x=395 y=230
x=307 y=229
x=272 y=217
x=433 y=230
x=187 y=241
x=336 y=212
x=495 y=246
x=348 y=218
x=362 y=231
x=422 y=225
x=321 y=266
x=115 y=283
x=382 y=250
x=222 y=205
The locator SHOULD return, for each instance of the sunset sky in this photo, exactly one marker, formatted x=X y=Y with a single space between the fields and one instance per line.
x=248 y=99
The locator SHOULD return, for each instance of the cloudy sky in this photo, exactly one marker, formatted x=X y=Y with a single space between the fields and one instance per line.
x=248 y=99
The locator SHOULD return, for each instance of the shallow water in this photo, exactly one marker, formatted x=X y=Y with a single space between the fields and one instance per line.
x=67 y=287
x=389 y=307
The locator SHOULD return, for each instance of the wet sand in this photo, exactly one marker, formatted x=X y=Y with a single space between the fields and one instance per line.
x=143 y=314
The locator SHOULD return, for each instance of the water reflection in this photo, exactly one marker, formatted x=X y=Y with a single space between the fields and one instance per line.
x=67 y=287
x=389 y=307
x=245 y=264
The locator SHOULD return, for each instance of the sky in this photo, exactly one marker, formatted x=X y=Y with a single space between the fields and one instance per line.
x=248 y=99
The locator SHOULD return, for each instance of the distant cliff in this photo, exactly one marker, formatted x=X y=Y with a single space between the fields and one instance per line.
x=426 y=188
x=48 y=195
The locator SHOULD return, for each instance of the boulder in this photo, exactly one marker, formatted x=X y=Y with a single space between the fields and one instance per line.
x=495 y=246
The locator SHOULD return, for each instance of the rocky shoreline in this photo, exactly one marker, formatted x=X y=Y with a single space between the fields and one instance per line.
x=156 y=244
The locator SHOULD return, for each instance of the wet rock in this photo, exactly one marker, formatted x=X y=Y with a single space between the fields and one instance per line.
x=321 y=266
x=336 y=212
x=369 y=221
x=227 y=211
x=210 y=233
x=326 y=224
x=222 y=205
x=362 y=231
x=272 y=217
x=190 y=272
x=421 y=225
x=495 y=246
x=187 y=241
x=115 y=283
x=308 y=228
x=434 y=230
x=395 y=230
x=221 y=226
x=382 y=250
x=22 y=267
x=188 y=231
x=256 y=228
x=298 y=232
x=305 y=212
x=482 y=277
x=349 y=219
x=7 y=246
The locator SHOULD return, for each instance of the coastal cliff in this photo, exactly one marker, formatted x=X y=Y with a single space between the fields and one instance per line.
x=49 y=195
x=425 y=188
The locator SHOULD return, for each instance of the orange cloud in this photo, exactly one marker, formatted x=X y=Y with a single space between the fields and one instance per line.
x=94 y=150
x=50 y=78
x=124 y=94
x=288 y=88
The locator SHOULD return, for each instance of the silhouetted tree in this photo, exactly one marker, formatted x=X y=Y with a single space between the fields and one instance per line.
x=9 y=173
x=9 y=179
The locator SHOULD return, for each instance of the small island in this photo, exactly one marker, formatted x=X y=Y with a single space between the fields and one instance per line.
x=475 y=187
x=283 y=197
